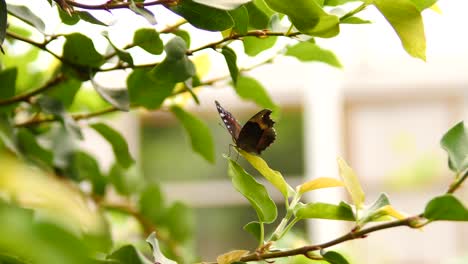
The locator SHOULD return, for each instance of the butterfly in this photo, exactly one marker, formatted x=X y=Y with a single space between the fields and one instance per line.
x=255 y=136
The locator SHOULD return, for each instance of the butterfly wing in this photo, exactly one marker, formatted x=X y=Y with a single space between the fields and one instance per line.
x=258 y=133
x=229 y=121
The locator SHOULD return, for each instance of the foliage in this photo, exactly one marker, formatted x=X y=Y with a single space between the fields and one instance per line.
x=59 y=198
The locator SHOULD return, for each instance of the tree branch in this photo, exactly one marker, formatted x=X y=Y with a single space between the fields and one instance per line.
x=27 y=96
x=458 y=182
x=109 y=5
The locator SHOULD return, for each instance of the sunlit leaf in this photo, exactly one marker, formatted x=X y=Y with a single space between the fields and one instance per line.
x=352 y=183
x=307 y=51
x=241 y=20
x=423 y=4
x=231 y=61
x=65 y=91
x=88 y=17
x=334 y=257
x=118 y=143
x=250 y=89
x=355 y=20
x=391 y=211
x=325 y=211
x=255 y=192
x=337 y=2
x=25 y=14
x=406 y=20
x=87 y=168
x=446 y=207
x=202 y=16
x=157 y=254
x=79 y=49
x=319 y=183
x=231 y=256
x=375 y=211
x=149 y=40
x=199 y=133
x=259 y=14
x=253 y=45
x=274 y=177
x=455 y=142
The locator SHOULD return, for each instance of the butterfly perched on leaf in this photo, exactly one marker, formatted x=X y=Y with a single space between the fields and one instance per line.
x=255 y=136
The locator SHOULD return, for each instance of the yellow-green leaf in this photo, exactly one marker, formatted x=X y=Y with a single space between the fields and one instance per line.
x=391 y=211
x=319 y=183
x=274 y=177
x=406 y=20
x=351 y=182
x=231 y=256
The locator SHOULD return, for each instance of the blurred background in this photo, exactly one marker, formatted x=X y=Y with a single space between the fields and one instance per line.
x=384 y=112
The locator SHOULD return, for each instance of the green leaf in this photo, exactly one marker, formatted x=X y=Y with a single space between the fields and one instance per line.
x=145 y=91
x=407 y=22
x=29 y=146
x=231 y=60
x=337 y=2
x=118 y=143
x=202 y=16
x=3 y=22
x=151 y=204
x=180 y=220
x=54 y=107
x=24 y=13
x=176 y=67
x=145 y=13
x=148 y=39
x=125 y=181
x=325 y=211
x=65 y=91
x=355 y=20
x=455 y=142
x=308 y=17
x=128 y=255
x=85 y=166
x=254 y=228
x=259 y=14
x=254 y=45
x=423 y=4
x=274 y=177
x=241 y=20
x=374 y=212
x=446 y=207
x=318 y=183
x=79 y=50
x=250 y=89
x=225 y=5
x=7 y=137
x=334 y=257
x=86 y=16
x=117 y=97
x=8 y=81
x=184 y=35
x=199 y=133
x=123 y=55
x=158 y=256
x=67 y=18
x=255 y=192
x=307 y=51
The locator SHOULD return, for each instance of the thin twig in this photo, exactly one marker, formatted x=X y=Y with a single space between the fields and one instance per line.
x=27 y=96
x=453 y=187
x=109 y=5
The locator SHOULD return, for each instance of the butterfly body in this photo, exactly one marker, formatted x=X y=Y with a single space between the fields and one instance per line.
x=255 y=135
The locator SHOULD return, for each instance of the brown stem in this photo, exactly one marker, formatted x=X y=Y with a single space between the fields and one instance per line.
x=27 y=96
x=109 y=5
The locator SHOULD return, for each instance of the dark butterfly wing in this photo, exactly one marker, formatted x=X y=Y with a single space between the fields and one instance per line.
x=229 y=121
x=258 y=133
